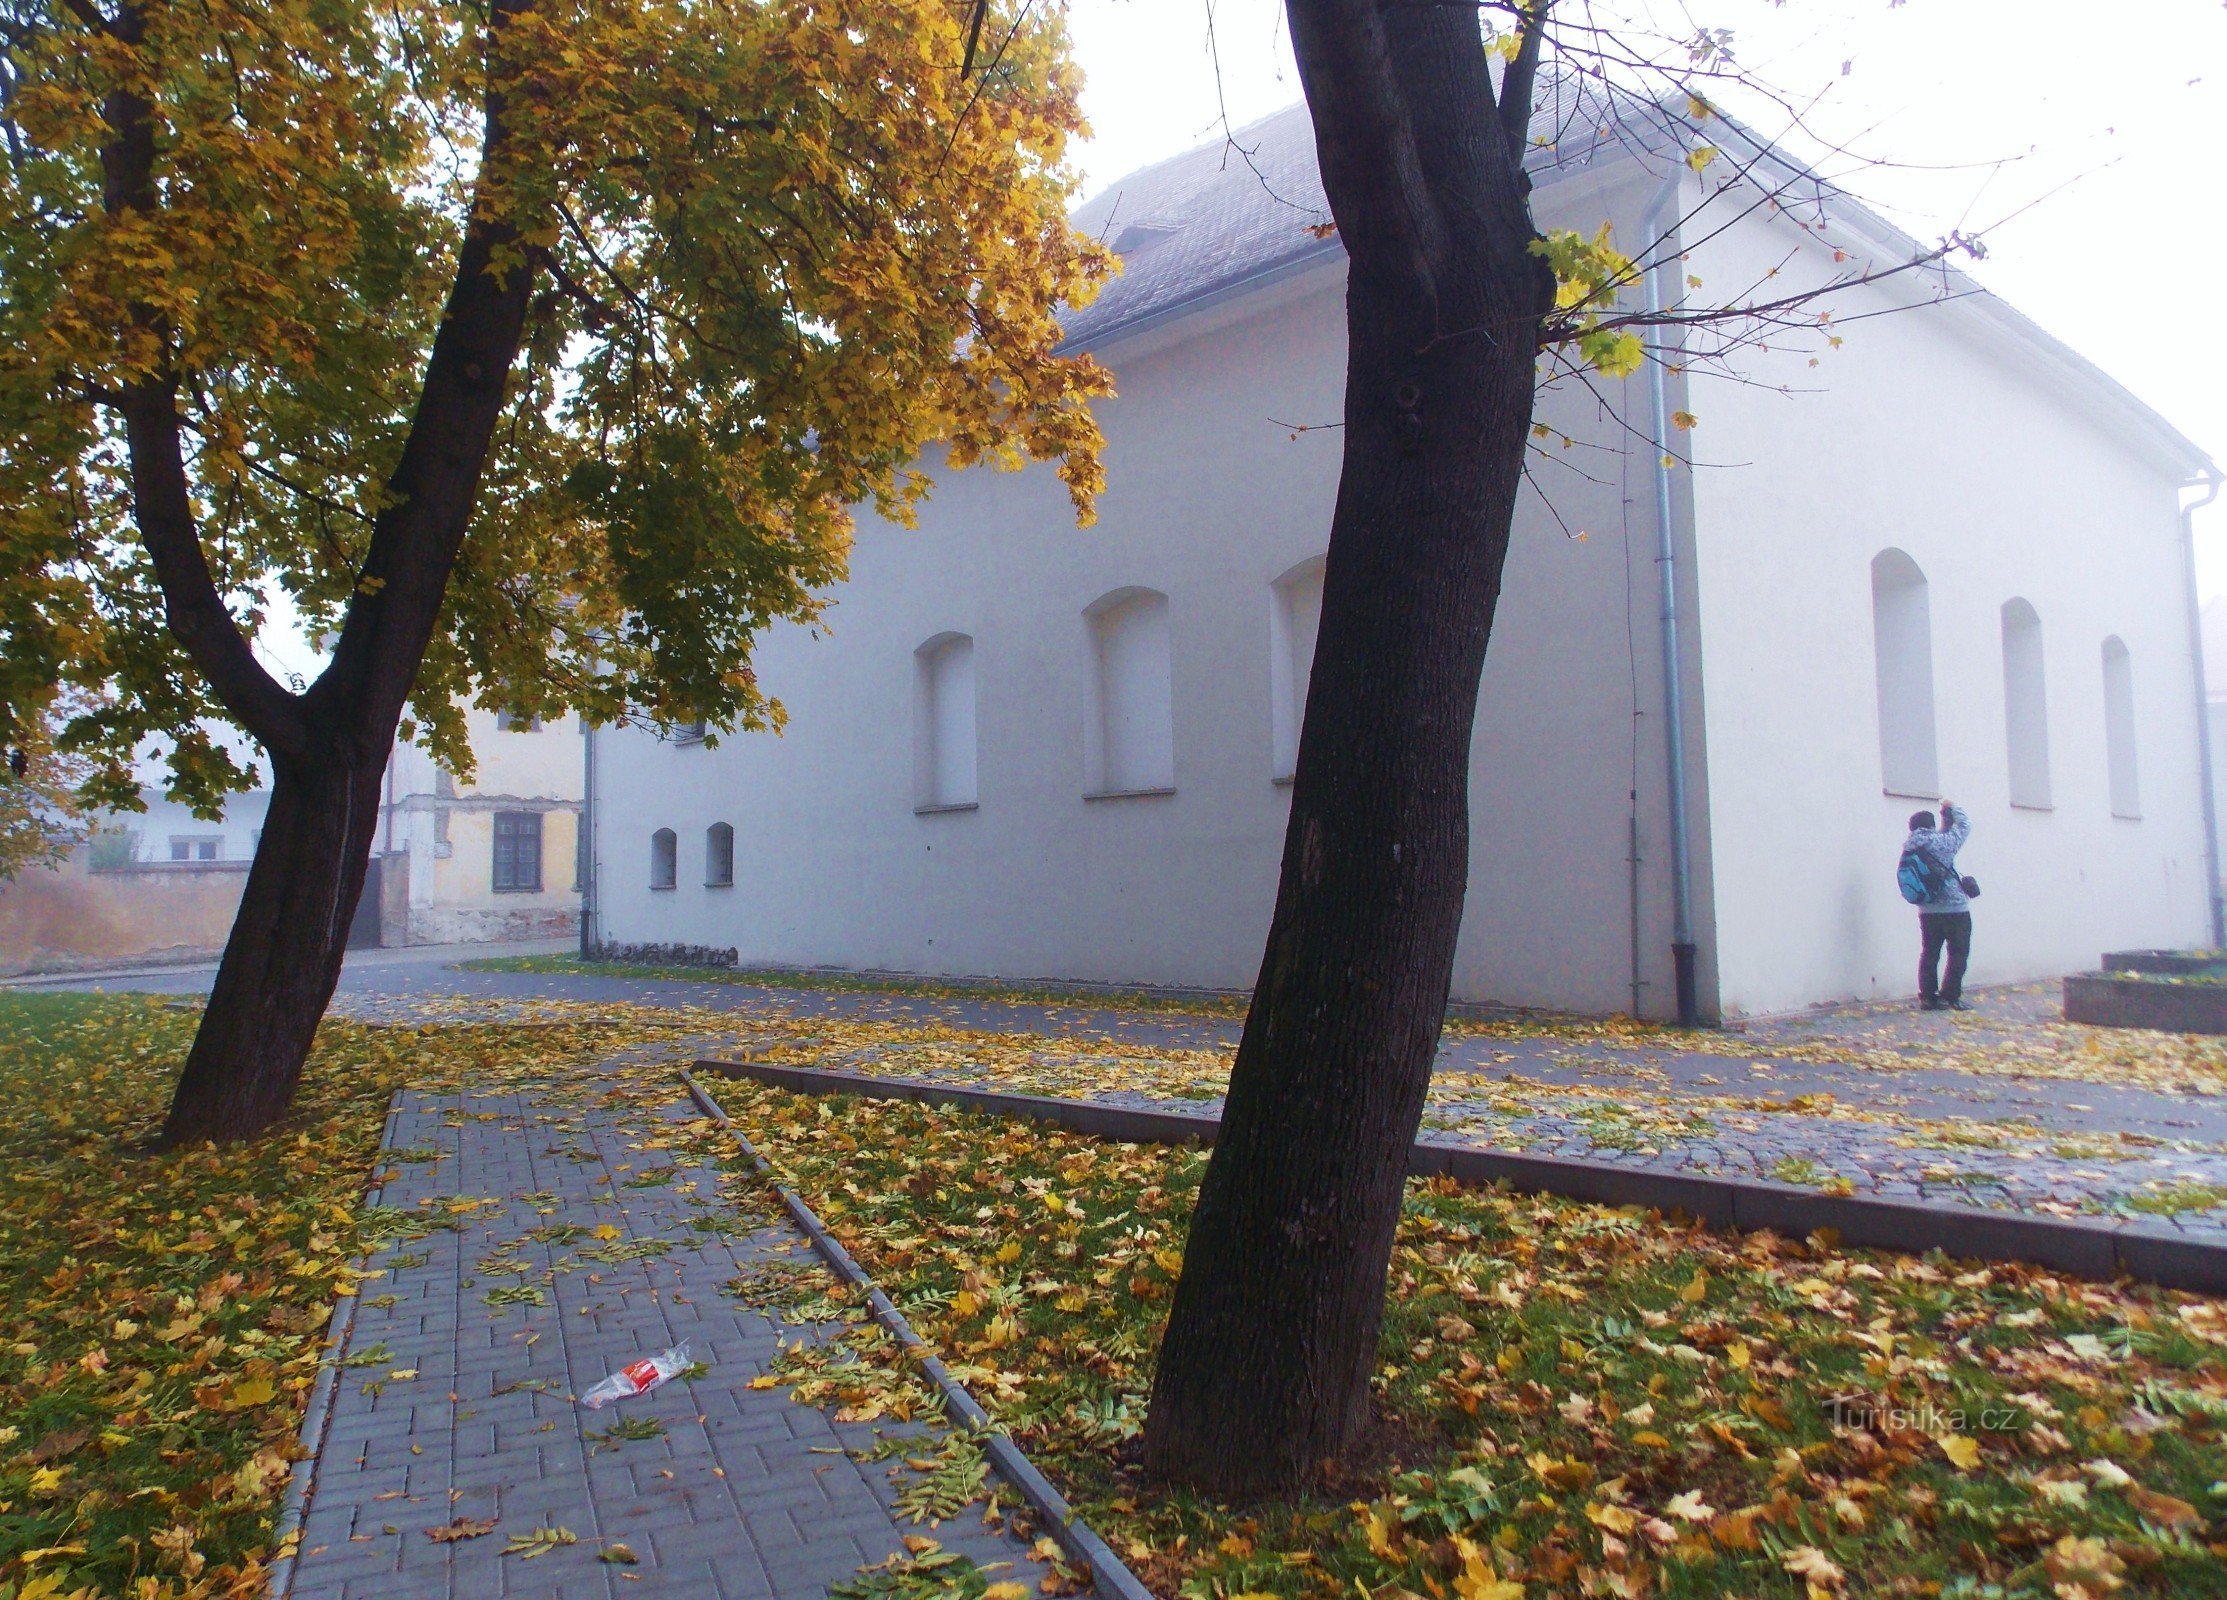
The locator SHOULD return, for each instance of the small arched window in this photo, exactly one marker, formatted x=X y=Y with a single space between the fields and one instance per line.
x=719 y=856
x=664 y=859
x=2118 y=728
x=2025 y=706
x=943 y=739
x=1902 y=639
x=1294 y=616
x=1130 y=735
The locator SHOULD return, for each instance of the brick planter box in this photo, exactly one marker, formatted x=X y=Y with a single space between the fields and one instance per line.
x=2108 y=1000
x=2169 y=963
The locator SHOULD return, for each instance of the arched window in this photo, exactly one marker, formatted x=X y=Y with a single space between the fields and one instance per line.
x=2118 y=728
x=1130 y=738
x=2025 y=706
x=943 y=740
x=1294 y=614
x=1902 y=637
x=664 y=859
x=719 y=856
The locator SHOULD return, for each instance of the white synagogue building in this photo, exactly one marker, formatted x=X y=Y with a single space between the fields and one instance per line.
x=1948 y=558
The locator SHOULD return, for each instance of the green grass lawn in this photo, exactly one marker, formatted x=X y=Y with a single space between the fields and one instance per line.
x=1575 y=1400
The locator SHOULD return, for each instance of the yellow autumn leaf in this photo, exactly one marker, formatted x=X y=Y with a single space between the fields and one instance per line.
x=1964 y=1452
x=1616 y=1519
x=1694 y=1292
x=605 y=1231
x=1007 y=1590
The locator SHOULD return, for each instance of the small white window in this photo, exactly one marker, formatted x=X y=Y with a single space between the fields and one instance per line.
x=1294 y=617
x=1130 y=732
x=2118 y=728
x=1902 y=637
x=719 y=856
x=664 y=859
x=943 y=738
x=2025 y=706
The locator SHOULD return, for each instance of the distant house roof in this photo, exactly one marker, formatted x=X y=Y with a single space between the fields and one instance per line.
x=1243 y=210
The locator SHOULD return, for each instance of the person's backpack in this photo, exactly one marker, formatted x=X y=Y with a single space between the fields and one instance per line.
x=1919 y=876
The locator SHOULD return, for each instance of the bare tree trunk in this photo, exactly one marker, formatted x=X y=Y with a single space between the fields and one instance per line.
x=1263 y=1378
x=283 y=957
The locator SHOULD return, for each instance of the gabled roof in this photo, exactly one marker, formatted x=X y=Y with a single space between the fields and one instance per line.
x=1242 y=212
x=1238 y=210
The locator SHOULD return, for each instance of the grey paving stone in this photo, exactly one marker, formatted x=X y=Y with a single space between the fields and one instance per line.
x=737 y=1499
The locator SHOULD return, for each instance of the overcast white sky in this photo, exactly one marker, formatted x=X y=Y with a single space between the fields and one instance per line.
x=2117 y=117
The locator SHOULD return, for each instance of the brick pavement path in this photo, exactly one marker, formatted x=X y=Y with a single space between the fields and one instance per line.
x=450 y=1405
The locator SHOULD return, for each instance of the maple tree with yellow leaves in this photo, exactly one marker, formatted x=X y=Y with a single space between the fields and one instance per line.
x=530 y=352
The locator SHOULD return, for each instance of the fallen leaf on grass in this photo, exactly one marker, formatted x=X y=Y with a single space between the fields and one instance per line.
x=1964 y=1452
x=1807 y=1561
x=1689 y=1507
x=57 y=1445
x=2167 y=1511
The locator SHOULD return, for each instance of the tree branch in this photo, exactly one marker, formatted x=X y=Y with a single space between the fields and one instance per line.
x=427 y=510
x=1516 y=89
x=162 y=500
x=1364 y=140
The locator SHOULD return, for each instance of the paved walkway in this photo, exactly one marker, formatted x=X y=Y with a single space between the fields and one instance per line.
x=540 y=1240
x=2005 y=1107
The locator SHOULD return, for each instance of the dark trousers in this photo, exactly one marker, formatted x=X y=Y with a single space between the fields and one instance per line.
x=1952 y=929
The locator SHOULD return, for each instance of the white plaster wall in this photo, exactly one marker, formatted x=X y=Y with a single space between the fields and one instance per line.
x=1209 y=500
x=2000 y=478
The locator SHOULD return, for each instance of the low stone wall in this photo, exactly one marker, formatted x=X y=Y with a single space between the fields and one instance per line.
x=2107 y=1000
x=70 y=918
x=484 y=924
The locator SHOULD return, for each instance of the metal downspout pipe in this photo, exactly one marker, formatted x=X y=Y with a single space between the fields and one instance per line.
x=1682 y=948
x=585 y=863
x=2210 y=478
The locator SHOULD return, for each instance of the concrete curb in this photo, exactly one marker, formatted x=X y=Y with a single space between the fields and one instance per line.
x=302 y=1481
x=1109 y=1576
x=2127 y=999
x=2097 y=1251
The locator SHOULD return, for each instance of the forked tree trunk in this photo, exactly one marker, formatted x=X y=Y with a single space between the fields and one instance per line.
x=1263 y=1377
x=328 y=746
x=283 y=957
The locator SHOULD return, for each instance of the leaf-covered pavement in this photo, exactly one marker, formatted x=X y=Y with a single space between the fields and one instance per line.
x=1864 y=1110
x=537 y=1237
x=1576 y=1400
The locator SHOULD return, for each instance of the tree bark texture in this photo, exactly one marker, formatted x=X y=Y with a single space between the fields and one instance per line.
x=329 y=745
x=1263 y=1378
x=283 y=956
